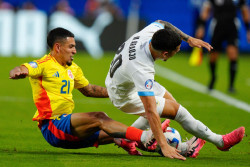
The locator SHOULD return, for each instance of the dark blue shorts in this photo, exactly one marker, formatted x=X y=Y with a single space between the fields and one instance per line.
x=57 y=133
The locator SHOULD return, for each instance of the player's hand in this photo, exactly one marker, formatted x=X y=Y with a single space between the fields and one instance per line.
x=17 y=73
x=172 y=153
x=194 y=42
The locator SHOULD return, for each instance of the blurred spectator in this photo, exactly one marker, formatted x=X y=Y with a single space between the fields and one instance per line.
x=224 y=26
x=5 y=5
x=28 y=5
x=95 y=7
x=63 y=6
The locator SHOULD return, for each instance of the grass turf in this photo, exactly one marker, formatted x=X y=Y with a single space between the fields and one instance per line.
x=21 y=143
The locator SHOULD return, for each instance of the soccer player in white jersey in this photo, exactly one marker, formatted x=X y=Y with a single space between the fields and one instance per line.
x=132 y=88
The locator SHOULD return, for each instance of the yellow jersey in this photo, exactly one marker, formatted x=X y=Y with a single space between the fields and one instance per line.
x=52 y=86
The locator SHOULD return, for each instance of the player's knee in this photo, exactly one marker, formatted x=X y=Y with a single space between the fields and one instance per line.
x=171 y=108
x=101 y=116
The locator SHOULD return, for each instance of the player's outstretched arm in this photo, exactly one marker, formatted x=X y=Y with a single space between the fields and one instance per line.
x=155 y=124
x=193 y=42
x=94 y=91
x=19 y=72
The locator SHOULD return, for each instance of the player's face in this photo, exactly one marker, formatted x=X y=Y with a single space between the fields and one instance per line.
x=167 y=55
x=68 y=50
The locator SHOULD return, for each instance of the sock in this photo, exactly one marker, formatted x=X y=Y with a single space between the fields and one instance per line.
x=233 y=70
x=213 y=77
x=183 y=148
x=197 y=128
x=141 y=123
x=133 y=133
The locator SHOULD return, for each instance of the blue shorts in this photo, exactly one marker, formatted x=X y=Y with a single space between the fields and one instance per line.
x=57 y=133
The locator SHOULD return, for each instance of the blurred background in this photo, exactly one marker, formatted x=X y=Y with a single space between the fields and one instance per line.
x=99 y=25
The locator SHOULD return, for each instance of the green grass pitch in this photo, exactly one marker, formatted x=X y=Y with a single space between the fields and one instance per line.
x=22 y=144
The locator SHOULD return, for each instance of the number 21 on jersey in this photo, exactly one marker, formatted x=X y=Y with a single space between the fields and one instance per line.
x=66 y=87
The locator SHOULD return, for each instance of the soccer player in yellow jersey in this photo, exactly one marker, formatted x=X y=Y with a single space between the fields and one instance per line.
x=52 y=79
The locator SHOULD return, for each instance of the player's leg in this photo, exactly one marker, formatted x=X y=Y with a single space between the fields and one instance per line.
x=180 y=114
x=175 y=111
x=104 y=138
x=213 y=56
x=232 y=53
x=85 y=124
x=216 y=42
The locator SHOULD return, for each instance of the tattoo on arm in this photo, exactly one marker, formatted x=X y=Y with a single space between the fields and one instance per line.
x=168 y=25
x=94 y=91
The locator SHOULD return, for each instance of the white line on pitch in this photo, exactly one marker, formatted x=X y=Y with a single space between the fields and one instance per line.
x=186 y=82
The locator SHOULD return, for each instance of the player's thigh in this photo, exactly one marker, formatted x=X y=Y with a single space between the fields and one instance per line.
x=218 y=37
x=170 y=109
x=136 y=107
x=232 y=52
x=232 y=42
x=85 y=124
x=168 y=95
x=58 y=133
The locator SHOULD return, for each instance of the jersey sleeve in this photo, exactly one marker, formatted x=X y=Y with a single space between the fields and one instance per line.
x=80 y=80
x=144 y=82
x=35 y=70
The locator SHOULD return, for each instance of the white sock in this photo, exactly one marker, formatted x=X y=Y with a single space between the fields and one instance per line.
x=141 y=123
x=197 y=128
x=183 y=148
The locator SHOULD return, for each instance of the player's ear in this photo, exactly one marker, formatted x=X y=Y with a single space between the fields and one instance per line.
x=164 y=54
x=57 y=47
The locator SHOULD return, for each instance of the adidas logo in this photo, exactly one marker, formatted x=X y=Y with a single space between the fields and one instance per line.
x=56 y=74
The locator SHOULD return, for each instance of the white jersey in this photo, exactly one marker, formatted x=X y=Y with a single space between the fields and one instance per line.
x=132 y=69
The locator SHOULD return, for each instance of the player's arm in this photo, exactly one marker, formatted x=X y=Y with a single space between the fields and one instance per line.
x=19 y=72
x=94 y=91
x=193 y=42
x=246 y=20
x=155 y=124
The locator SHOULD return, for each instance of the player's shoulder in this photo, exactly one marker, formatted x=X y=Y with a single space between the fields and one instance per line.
x=156 y=25
x=39 y=62
x=45 y=60
x=74 y=67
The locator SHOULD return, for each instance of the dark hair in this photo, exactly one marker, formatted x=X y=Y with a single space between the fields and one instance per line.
x=165 y=40
x=56 y=35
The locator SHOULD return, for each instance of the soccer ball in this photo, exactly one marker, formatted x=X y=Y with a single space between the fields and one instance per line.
x=173 y=138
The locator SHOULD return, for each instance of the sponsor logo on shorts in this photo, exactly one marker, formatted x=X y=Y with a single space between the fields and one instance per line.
x=33 y=64
x=149 y=84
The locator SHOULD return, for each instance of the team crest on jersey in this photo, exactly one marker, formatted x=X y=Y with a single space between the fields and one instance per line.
x=33 y=64
x=149 y=84
x=70 y=74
